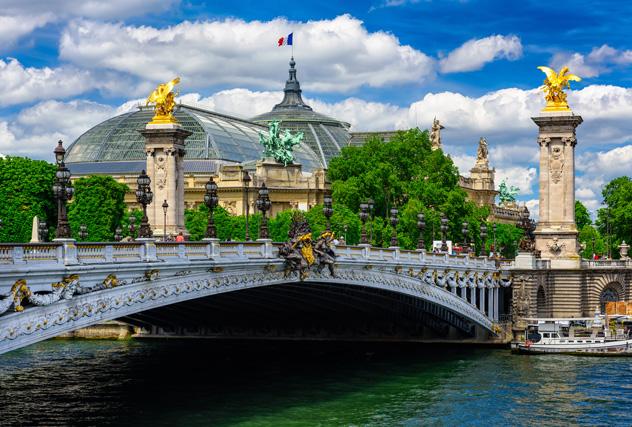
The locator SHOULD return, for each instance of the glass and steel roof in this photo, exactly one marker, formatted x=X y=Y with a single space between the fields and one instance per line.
x=214 y=137
x=323 y=134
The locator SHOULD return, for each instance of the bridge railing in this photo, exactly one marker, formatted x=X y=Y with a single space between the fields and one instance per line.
x=69 y=252
x=606 y=263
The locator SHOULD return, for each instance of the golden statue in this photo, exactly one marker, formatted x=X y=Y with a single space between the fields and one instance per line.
x=554 y=86
x=164 y=100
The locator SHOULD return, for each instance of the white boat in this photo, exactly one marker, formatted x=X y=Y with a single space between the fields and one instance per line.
x=591 y=336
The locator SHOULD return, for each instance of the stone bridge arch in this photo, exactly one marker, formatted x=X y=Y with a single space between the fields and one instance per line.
x=39 y=323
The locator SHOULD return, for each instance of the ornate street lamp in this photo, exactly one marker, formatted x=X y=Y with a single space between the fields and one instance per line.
x=165 y=206
x=117 y=234
x=43 y=231
x=263 y=205
x=132 y=227
x=421 y=226
x=364 y=207
x=328 y=210
x=371 y=204
x=247 y=181
x=83 y=232
x=483 y=239
x=465 y=230
x=494 y=238
x=394 y=222
x=211 y=199
x=144 y=196
x=63 y=191
x=444 y=230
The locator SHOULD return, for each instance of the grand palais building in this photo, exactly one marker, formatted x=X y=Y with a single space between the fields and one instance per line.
x=224 y=147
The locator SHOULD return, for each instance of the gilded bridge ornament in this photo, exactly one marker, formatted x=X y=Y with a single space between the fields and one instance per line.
x=164 y=102
x=554 y=86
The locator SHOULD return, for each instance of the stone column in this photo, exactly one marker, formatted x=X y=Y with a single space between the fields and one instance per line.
x=496 y=308
x=490 y=303
x=482 y=292
x=164 y=145
x=556 y=232
x=473 y=296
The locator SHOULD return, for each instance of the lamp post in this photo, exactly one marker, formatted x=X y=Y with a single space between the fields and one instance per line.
x=211 y=200
x=43 y=231
x=371 y=204
x=483 y=239
x=444 y=230
x=247 y=179
x=165 y=206
x=394 y=222
x=132 y=227
x=83 y=232
x=144 y=196
x=421 y=226
x=328 y=209
x=117 y=234
x=264 y=205
x=364 y=207
x=465 y=230
x=494 y=237
x=63 y=192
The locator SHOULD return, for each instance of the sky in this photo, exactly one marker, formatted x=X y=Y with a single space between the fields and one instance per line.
x=67 y=65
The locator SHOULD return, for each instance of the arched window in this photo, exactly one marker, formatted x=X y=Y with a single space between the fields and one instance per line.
x=609 y=294
x=542 y=312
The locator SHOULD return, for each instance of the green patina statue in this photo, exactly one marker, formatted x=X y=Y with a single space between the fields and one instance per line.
x=507 y=195
x=279 y=146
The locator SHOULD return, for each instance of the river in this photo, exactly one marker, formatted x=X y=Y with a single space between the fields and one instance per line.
x=205 y=383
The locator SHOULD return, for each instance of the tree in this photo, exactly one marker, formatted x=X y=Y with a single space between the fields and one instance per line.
x=99 y=204
x=582 y=216
x=615 y=221
x=406 y=173
x=593 y=242
x=25 y=191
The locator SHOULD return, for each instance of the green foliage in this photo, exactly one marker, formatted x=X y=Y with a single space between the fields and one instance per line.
x=124 y=224
x=25 y=191
x=582 y=216
x=99 y=204
x=594 y=243
x=406 y=173
x=615 y=221
x=507 y=239
x=344 y=222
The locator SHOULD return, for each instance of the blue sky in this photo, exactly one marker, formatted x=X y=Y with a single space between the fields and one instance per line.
x=385 y=64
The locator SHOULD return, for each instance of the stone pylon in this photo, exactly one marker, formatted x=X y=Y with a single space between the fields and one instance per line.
x=556 y=232
x=164 y=145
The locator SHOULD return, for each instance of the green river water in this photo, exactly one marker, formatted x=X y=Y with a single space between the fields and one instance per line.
x=206 y=383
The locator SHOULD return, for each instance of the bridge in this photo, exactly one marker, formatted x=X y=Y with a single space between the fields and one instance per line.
x=242 y=288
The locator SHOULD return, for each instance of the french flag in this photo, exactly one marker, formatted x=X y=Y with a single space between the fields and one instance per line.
x=286 y=41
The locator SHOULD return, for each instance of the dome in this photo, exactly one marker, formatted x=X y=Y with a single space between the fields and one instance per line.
x=323 y=134
x=116 y=145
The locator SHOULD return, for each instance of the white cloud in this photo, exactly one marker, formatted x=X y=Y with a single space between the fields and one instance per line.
x=36 y=130
x=24 y=84
x=600 y=60
x=520 y=177
x=13 y=28
x=474 y=54
x=534 y=208
x=97 y=9
x=343 y=55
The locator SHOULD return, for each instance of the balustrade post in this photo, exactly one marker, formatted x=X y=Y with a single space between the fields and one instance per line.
x=182 y=251
x=69 y=251
x=109 y=253
x=18 y=255
x=148 y=252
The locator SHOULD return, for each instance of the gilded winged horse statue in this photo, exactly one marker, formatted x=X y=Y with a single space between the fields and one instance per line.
x=554 y=86
x=164 y=100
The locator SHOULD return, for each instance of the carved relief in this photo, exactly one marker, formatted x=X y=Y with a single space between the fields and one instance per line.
x=555 y=247
x=544 y=140
x=569 y=140
x=161 y=172
x=231 y=207
x=556 y=165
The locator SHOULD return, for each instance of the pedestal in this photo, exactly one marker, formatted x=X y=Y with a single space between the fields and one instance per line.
x=164 y=146
x=556 y=232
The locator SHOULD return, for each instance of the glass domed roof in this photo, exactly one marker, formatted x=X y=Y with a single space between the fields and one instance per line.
x=323 y=134
x=214 y=137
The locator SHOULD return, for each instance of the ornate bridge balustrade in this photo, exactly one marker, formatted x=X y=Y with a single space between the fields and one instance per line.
x=48 y=289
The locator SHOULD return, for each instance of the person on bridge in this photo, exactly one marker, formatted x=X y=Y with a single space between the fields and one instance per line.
x=180 y=237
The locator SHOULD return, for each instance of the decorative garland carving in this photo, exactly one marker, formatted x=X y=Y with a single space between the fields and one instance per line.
x=556 y=164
